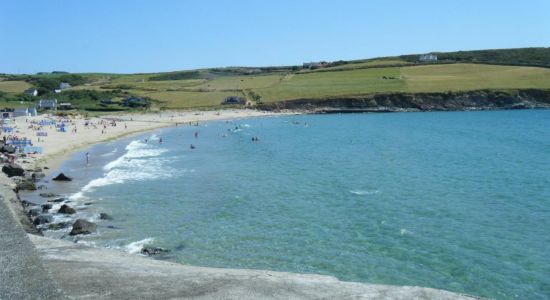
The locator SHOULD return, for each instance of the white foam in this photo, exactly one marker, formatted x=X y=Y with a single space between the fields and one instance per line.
x=364 y=192
x=136 y=247
x=140 y=162
x=404 y=231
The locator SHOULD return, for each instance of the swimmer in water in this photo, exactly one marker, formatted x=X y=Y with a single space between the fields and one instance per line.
x=192 y=146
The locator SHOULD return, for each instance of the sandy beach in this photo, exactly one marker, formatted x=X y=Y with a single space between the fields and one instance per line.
x=81 y=132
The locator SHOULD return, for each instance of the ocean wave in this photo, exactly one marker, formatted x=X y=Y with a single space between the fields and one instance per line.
x=140 y=162
x=135 y=247
x=364 y=192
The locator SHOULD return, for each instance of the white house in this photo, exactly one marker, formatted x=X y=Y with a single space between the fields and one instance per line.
x=64 y=85
x=57 y=91
x=427 y=57
x=47 y=104
x=31 y=92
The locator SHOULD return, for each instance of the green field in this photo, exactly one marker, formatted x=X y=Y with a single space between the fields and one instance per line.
x=14 y=86
x=208 y=87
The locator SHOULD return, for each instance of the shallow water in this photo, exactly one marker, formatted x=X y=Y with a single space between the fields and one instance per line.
x=452 y=200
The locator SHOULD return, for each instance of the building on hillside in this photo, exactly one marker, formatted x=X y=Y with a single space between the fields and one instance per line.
x=64 y=85
x=135 y=102
x=57 y=91
x=427 y=57
x=31 y=92
x=47 y=104
x=234 y=100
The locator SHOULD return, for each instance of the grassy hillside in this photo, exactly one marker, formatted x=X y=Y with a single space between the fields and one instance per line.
x=208 y=87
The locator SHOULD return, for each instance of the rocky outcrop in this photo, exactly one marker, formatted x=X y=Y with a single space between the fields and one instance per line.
x=62 y=177
x=82 y=226
x=389 y=102
x=151 y=251
x=43 y=219
x=46 y=207
x=48 y=195
x=104 y=216
x=65 y=209
x=13 y=169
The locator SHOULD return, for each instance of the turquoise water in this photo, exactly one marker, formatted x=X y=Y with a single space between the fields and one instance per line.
x=450 y=200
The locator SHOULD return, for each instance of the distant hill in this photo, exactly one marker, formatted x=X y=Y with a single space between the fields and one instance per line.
x=454 y=73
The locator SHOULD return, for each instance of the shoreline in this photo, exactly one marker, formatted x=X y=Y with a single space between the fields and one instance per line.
x=147 y=123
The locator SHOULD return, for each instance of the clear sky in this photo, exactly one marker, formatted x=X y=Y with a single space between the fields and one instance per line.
x=126 y=36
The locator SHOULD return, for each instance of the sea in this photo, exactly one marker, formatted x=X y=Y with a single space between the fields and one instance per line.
x=458 y=201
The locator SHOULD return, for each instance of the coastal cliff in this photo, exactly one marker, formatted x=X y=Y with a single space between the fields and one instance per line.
x=394 y=102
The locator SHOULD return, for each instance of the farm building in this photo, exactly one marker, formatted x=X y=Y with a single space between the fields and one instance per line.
x=427 y=57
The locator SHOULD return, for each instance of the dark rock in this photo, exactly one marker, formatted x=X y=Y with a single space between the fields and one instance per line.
x=46 y=168
x=65 y=209
x=150 y=251
x=38 y=169
x=105 y=216
x=62 y=177
x=48 y=195
x=12 y=169
x=41 y=187
x=35 y=211
x=42 y=219
x=56 y=200
x=46 y=207
x=57 y=226
x=8 y=149
x=88 y=203
x=82 y=226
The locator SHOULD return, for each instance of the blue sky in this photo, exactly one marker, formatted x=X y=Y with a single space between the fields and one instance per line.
x=126 y=36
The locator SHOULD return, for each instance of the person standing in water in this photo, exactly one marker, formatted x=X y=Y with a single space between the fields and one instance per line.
x=160 y=140
x=87 y=158
x=196 y=134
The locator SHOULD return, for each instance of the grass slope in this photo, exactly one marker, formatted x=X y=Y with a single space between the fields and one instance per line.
x=461 y=71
